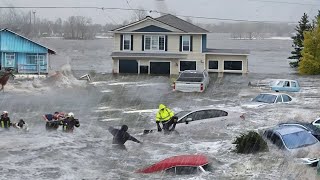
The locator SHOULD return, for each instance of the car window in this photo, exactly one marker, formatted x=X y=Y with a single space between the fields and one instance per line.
x=286 y=84
x=201 y=115
x=286 y=98
x=216 y=113
x=279 y=99
x=184 y=170
x=191 y=115
x=266 y=98
x=207 y=167
x=280 y=83
x=299 y=139
x=293 y=84
x=317 y=122
x=181 y=114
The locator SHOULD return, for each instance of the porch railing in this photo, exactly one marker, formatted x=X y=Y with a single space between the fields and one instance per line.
x=32 y=69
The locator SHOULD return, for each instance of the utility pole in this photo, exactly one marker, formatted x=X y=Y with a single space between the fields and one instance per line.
x=34 y=23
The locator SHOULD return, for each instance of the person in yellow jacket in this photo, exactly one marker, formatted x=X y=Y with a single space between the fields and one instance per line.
x=167 y=118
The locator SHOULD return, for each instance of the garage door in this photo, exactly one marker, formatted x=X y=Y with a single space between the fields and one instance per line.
x=160 y=68
x=128 y=66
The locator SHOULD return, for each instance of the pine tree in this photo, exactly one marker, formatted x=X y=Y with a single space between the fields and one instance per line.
x=304 y=25
x=310 y=61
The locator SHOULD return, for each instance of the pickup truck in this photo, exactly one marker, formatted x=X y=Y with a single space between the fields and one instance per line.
x=191 y=81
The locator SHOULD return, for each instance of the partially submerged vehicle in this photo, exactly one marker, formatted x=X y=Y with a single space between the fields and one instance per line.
x=191 y=81
x=181 y=165
x=316 y=123
x=197 y=121
x=294 y=140
x=285 y=85
x=268 y=98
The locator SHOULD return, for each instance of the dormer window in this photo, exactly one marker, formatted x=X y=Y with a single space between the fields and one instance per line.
x=126 y=42
x=154 y=43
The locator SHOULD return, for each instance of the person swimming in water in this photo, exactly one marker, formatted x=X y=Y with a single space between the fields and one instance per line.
x=121 y=136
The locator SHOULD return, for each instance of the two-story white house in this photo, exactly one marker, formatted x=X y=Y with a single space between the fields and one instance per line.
x=168 y=45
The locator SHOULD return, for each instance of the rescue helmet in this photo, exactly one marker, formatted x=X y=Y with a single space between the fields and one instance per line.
x=70 y=114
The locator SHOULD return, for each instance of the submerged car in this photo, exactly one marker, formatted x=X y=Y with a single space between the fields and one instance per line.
x=316 y=123
x=199 y=120
x=293 y=139
x=181 y=165
x=286 y=85
x=268 y=98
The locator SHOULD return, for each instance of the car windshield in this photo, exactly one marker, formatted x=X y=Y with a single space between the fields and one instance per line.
x=191 y=75
x=266 y=98
x=299 y=139
x=181 y=114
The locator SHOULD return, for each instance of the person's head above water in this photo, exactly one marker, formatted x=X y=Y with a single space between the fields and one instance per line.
x=124 y=128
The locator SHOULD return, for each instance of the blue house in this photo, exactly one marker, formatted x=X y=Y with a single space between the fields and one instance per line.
x=22 y=54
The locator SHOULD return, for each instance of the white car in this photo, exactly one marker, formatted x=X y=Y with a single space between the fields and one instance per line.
x=268 y=98
x=198 y=121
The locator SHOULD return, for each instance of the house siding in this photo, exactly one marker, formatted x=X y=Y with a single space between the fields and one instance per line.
x=222 y=58
x=13 y=43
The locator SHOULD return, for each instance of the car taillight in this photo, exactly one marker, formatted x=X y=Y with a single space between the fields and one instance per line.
x=174 y=86
x=201 y=87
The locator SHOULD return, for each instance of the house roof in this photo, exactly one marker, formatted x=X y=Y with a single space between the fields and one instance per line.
x=172 y=21
x=227 y=51
x=50 y=51
x=181 y=24
x=183 y=160
x=163 y=55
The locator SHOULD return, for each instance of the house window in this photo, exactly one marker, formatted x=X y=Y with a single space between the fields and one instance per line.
x=33 y=59
x=233 y=65
x=154 y=43
x=188 y=65
x=185 y=43
x=213 y=65
x=126 y=42
x=10 y=59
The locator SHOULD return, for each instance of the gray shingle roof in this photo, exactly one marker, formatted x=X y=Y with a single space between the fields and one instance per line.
x=227 y=51
x=180 y=24
x=163 y=55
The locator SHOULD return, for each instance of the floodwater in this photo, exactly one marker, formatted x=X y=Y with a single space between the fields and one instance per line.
x=113 y=100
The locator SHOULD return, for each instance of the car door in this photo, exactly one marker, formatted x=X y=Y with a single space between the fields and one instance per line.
x=286 y=98
x=294 y=86
x=286 y=86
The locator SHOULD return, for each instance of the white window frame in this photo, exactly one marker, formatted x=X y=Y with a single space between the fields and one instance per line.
x=224 y=70
x=37 y=57
x=212 y=70
x=183 y=38
x=124 y=39
x=151 y=37
x=179 y=65
x=10 y=55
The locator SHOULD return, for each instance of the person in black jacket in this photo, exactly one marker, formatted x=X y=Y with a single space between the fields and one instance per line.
x=5 y=120
x=69 y=123
x=121 y=136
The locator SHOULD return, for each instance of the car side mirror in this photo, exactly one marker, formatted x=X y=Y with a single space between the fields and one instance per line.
x=188 y=120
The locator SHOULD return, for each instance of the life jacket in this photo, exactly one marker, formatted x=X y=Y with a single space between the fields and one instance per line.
x=5 y=122
x=69 y=123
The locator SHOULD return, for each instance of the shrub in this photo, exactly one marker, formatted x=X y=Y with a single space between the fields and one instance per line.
x=250 y=143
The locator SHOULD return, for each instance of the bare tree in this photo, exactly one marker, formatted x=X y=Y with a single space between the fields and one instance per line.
x=139 y=14
x=78 y=27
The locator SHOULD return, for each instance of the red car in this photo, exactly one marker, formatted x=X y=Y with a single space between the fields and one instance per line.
x=184 y=164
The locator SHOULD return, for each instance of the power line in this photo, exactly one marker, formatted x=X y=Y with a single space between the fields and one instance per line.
x=134 y=9
x=284 y=2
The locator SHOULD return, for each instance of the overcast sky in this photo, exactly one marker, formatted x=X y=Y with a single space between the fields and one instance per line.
x=260 y=10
